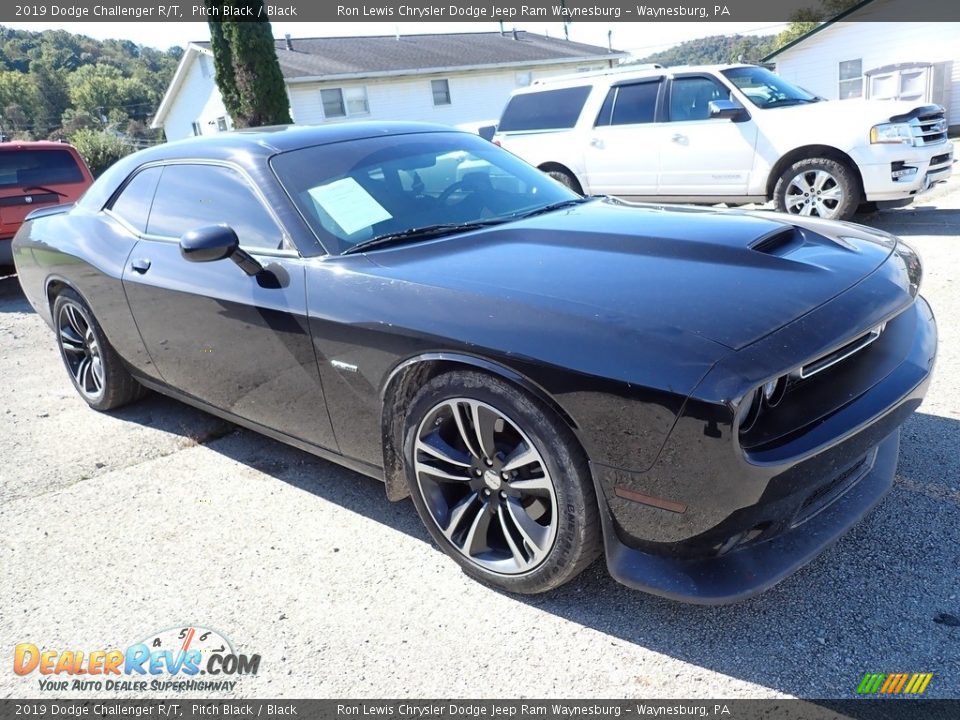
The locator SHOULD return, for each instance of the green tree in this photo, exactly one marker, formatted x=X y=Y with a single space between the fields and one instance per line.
x=248 y=73
x=100 y=149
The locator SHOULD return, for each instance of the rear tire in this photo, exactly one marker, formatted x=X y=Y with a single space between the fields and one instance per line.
x=512 y=504
x=94 y=367
x=818 y=187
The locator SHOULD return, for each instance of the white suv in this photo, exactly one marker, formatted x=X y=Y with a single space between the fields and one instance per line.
x=726 y=133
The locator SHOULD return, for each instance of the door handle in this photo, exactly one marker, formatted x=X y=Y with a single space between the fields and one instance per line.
x=678 y=138
x=140 y=265
x=597 y=142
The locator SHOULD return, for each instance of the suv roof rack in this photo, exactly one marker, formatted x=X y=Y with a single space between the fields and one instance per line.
x=635 y=67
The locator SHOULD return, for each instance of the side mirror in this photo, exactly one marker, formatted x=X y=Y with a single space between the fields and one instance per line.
x=725 y=109
x=210 y=243
x=216 y=242
x=487 y=132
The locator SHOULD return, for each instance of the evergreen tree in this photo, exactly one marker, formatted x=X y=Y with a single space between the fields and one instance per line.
x=245 y=60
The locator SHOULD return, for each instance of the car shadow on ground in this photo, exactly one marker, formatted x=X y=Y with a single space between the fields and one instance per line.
x=878 y=600
x=914 y=221
x=12 y=298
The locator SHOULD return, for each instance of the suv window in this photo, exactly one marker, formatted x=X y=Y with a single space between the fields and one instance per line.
x=26 y=168
x=633 y=104
x=191 y=196
x=547 y=110
x=690 y=97
x=133 y=203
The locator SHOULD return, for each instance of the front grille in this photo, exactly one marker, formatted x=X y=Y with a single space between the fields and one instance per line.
x=930 y=129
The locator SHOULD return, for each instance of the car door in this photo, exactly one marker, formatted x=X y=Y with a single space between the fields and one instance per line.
x=704 y=156
x=236 y=342
x=623 y=152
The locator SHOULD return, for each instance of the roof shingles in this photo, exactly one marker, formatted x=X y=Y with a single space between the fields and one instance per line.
x=316 y=57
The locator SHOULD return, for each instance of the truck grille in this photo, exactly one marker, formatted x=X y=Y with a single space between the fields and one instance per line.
x=930 y=129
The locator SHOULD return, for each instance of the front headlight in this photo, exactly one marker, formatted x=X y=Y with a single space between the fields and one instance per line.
x=911 y=261
x=891 y=134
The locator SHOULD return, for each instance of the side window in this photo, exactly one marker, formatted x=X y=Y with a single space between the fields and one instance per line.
x=546 y=110
x=690 y=98
x=606 y=110
x=635 y=104
x=133 y=202
x=191 y=196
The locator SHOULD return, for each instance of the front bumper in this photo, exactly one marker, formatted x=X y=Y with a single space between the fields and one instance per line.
x=934 y=164
x=742 y=521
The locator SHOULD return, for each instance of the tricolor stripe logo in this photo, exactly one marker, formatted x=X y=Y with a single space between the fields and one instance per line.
x=894 y=683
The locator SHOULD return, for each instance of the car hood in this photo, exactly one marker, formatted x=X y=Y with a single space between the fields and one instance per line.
x=728 y=276
x=868 y=112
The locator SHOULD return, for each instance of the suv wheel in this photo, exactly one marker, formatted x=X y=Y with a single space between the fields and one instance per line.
x=565 y=178
x=818 y=188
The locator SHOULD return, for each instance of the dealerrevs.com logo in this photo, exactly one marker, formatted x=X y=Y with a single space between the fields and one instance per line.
x=177 y=659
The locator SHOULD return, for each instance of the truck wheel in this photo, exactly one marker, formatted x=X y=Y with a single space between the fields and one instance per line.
x=565 y=178
x=818 y=188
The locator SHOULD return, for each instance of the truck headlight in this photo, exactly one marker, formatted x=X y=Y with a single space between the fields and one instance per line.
x=891 y=134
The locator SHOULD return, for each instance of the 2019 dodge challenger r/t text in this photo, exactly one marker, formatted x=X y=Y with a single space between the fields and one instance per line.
x=708 y=397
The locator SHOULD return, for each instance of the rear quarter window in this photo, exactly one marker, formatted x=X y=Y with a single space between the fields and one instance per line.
x=28 y=168
x=546 y=110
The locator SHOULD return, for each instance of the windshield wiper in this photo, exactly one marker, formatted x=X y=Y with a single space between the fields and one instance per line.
x=783 y=102
x=44 y=189
x=421 y=233
x=549 y=208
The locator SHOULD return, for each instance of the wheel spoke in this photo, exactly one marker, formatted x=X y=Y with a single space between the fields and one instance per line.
x=522 y=456
x=436 y=447
x=484 y=425
x=71 y=341
x=794 y=201
x=515 y=551
x=532 y=485
x=800 y=183
x=820 y=179
x=442 y=474
x=76 y=320
x=81 y=374
x=807 y=209
x=476 y=539
x=465 y=436
x=457 y=513
x=96 y=374
x=533 y=533
x=834 y=193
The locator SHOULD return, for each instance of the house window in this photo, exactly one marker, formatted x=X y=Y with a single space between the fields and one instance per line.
x=344 y=102
x=441 y=92
x=196 y=128
x=222 y=124
x=851 y=79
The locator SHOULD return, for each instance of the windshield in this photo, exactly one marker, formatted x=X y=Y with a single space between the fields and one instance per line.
x=766 y=89
x=357 y=191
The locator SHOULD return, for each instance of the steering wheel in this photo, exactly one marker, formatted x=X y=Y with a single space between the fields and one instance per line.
x=448 y=191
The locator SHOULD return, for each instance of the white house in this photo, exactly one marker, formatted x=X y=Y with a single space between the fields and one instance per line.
x=454 y=79
x=871 y=58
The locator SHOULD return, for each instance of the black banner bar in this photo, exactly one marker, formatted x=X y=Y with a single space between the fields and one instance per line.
x=605 y=11
x=200 y=709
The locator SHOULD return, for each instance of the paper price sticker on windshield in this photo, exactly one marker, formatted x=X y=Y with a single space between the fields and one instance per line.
x=350 y=206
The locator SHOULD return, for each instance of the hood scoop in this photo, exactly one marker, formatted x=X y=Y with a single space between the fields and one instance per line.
x=780 y=242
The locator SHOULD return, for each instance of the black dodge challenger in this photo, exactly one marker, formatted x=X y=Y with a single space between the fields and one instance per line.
x=711 y=398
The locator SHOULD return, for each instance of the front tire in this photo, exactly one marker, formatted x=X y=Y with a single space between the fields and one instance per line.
x=565 y=178
x=500 y=483
x=818 y=187
x=94 y=367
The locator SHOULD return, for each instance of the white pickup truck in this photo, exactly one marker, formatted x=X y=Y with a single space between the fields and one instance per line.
x=726 y=133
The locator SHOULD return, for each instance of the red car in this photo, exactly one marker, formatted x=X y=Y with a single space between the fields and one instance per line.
x=34 y=175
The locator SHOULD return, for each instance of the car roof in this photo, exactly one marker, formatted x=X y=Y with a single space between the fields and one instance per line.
x=281 y=138
x=34 y=145
x=618 y=74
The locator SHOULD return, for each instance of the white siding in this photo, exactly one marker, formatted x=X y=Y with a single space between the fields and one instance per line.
x=475 y=97
x=814 y=63
x=198 y=100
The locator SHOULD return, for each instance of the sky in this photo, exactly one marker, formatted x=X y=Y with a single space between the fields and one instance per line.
x=638 y=38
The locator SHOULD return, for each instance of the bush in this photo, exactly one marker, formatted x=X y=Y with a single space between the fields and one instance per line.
x=100 y=149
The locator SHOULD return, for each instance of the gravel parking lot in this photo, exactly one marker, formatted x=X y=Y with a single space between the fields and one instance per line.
x=115 y=526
